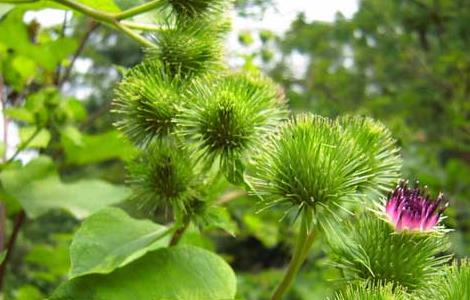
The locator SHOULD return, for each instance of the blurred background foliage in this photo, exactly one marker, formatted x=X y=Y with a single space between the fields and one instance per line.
x=405 y=63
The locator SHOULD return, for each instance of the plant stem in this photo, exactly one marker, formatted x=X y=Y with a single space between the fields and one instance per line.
x=112 y=19
x=24 y=145
x=302 y=247
x=180 y=231
x=138 y=9
x=19 y=220
x=142 y=26
x=92 y=26
x=135 y=36
x=89 y=11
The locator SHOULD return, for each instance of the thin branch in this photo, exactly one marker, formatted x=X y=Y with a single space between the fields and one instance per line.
x=139 y=9
x=99 y=15
x=2 y=225
x=18 y=1
x=92 y=27
x=180 y=231
x=19 y=221
x=108 y=18
x=24 y=145
x=62 y=34
x=6 y=121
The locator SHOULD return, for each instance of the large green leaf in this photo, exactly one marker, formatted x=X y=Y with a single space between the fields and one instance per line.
x=96 y=148
x=175 y=273
x=38 y=188
x=110 y=239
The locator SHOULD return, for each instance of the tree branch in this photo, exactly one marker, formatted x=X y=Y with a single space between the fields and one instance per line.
x=19 y=221
x=24 y=145
x=93 y=25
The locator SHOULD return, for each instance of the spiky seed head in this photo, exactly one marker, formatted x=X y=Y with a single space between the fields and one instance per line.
x=227 y=118
x=146 y=102
x=454 y=283
x=382 y=159
x=310 y=163
x=188 y=49
x=371 y=250
x=164 y=176
x=192 y=9
x=367 y=291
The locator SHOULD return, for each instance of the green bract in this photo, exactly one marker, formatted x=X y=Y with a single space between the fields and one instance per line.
x=382 y=162
x=371 y=292
x=164 y=176
x=453 y=284
x=188 y=49
x=146 y=102
x=371 y=250
x=194 y=8
x=310 y=163
x=226 y=118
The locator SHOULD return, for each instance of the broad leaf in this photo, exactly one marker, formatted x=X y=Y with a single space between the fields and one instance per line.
x=38 y=188
x=39 y=139
x=176 y=273
x=96 y=148
x=110 y=239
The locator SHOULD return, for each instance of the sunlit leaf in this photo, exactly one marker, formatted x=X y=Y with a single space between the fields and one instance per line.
x=99 y=147
x=110 y=239
x=39 y=139
x=176 y=273
x=38 y=188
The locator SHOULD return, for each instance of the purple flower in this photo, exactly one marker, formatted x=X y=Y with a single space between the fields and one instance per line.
x=412 y=209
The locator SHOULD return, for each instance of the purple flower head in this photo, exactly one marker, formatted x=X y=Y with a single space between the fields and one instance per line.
x=412 y=209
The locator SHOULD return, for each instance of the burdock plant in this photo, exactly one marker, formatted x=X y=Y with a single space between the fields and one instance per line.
x=194 y=119
x=314 y=166
x=226 y=119
x=146 y=102
x=402 y=244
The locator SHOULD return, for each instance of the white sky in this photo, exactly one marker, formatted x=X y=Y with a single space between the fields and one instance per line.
x=276 y=19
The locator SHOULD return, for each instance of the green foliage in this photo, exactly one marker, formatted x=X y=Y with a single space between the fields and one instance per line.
x=453 y=284
x=38 y=188
x=369 y=249
x=81 y=149
x=371 y=292
x=182 y=272
x=146 y=102
x=110 y=239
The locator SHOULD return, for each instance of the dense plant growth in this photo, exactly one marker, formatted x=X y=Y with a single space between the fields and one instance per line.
x=196 y=136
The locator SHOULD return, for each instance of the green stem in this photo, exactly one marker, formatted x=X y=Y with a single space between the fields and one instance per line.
x=138 y=9
x=89 y=11
x=303 y=245
x=135 y=36
x=141 y=26
x=180 y=231
x=18 y=1
x=112 y=19
x=24 y=145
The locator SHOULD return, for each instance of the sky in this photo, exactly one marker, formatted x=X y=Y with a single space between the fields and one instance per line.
x=276 y=19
